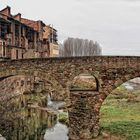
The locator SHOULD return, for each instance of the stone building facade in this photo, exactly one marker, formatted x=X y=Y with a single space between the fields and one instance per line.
x=24 y=38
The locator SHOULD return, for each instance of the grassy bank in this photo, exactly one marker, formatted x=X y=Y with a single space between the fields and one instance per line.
x=121 y=117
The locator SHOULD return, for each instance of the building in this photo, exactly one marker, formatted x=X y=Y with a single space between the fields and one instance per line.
x=24 y=38
x=50 y=35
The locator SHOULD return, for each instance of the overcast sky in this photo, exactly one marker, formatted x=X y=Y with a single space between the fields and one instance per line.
x=115 y=24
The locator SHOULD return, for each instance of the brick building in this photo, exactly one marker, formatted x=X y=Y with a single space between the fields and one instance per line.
x=25 y=38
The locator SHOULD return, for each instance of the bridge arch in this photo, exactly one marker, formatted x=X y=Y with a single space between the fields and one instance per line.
x=124 y=79
x=112 y=78
x=123 y=103
x=85 y=81
x=51 y=84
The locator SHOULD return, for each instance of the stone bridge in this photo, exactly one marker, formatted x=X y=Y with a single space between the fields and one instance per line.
x=59 y=73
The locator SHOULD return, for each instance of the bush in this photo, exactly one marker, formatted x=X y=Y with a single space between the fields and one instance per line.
x=63 y=118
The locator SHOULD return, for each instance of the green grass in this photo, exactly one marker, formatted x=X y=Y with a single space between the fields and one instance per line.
x=127 y=129
x=63 y=118
x=121 y=118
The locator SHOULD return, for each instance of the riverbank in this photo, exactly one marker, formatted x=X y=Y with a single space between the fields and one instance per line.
x=120 y=115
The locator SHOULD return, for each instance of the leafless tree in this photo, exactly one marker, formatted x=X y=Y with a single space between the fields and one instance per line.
x=79 y=47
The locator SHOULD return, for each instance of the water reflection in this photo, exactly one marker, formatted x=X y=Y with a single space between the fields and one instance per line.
x=33 y=122
x=59 y=131
x=31 y=126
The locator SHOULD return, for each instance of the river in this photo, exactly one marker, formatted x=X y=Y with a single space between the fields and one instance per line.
x=36 y=123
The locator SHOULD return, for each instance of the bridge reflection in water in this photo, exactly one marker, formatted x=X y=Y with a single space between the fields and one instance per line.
x=33 y=122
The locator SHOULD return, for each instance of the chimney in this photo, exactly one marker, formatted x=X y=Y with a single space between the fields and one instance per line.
x=6 y=11
x=18 y=17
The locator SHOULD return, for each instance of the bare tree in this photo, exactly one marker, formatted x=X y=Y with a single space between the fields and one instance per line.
x=79 y=47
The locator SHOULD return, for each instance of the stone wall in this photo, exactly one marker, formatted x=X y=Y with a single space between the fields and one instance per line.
x=83 y=115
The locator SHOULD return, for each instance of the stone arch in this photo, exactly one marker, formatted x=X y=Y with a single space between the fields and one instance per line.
x=98 y=83
x=127 y=100
x=95 y=74
x=123 y=79
x=54 y=85
x=112 y=78
x=89 y=73
x=85 y=81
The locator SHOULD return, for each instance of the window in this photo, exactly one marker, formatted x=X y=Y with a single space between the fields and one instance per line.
x=22 y=83
x=16 y=54
x=28 y=82
x=17 y=83
x=3 y=48
x=9 y=41
x=22 y=55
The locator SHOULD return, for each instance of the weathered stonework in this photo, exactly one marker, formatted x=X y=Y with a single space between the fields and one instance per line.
x=15 y=86
x=83 y=116
x=58 y=73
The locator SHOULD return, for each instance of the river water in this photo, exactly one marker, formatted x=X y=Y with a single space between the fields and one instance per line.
x=36 y=124
x=59 y=131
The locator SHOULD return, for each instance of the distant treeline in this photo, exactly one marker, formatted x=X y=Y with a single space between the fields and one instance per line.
x=79 y=47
